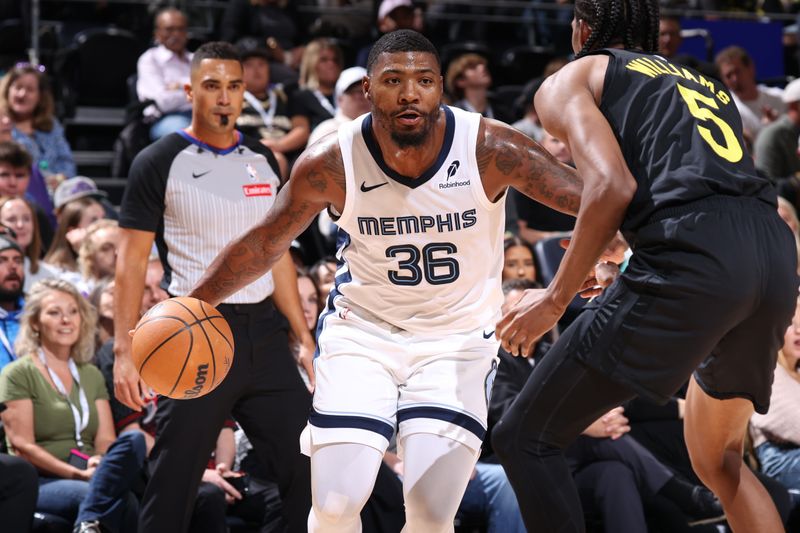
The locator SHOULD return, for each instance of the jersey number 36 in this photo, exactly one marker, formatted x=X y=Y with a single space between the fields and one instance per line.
x=414 y=264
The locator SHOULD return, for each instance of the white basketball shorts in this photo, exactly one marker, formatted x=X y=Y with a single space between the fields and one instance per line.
x=373 y=378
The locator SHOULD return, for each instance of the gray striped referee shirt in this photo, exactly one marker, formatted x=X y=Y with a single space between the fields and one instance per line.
x=196 y=199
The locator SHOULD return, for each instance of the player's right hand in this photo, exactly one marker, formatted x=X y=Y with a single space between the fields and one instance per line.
x=129 y=388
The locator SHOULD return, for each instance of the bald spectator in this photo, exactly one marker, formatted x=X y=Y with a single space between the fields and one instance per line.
x=162 y=73
x=351 y=103
x=757 y=104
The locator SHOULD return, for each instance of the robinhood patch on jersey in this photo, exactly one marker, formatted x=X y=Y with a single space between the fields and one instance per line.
x=258 y=189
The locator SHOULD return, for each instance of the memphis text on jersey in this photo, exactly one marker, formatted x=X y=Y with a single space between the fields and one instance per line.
x=417 y=224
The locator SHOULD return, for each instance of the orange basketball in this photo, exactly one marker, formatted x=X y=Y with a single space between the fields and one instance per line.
x=182 y=348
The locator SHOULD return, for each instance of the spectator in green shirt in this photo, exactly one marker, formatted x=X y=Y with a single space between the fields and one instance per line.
x=58 y=415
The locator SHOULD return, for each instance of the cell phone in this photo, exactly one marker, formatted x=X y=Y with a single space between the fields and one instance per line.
x=240 y=483
x=78 y=459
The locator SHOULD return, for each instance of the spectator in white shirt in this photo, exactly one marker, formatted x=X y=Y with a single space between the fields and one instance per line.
x=757 y=104
x=162 y=73
x=350 y=101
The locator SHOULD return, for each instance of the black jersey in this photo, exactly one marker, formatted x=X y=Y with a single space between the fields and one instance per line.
x=680 y=134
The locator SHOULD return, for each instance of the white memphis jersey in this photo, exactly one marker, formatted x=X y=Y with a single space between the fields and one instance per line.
x=424 y=255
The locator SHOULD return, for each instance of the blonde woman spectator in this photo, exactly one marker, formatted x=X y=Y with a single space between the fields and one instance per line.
x=58 y=416
x=19 y=215
x=319 y=69
x=97 y=257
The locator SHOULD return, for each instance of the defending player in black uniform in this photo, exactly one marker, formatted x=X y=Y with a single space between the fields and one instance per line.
x=711 y=285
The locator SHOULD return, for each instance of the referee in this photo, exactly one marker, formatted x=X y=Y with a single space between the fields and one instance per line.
x=192 y=192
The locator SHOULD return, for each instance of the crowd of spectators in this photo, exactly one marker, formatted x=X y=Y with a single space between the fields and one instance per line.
x=302 y=75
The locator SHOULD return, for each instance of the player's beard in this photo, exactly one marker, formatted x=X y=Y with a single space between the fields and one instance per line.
x=410 y=139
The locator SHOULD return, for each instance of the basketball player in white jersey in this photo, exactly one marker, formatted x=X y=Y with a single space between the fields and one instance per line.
x=407 y=339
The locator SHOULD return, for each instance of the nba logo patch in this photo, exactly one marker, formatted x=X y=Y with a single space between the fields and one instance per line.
x=251 y=172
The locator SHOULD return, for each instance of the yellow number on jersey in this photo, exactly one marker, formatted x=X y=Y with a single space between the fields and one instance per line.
x=731 y=150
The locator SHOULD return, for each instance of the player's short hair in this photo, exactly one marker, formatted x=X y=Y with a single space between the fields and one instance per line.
x=401 y=41
x=631 y=23
x=215 y=50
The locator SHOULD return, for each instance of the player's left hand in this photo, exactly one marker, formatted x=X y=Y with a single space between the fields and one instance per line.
x=305 y=357
x=531 y=317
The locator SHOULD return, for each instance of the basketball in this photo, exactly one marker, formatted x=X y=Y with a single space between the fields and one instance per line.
x=182 y=348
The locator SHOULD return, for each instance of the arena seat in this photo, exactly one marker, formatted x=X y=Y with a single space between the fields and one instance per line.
x=49 y=523
x=13 y=43
x=95 y=68
x=520 y=64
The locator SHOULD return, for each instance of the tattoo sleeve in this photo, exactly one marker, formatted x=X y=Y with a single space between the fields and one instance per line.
x=519 y=162
x=250 y=256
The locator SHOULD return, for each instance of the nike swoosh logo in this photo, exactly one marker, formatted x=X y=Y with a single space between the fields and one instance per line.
x=196 y=175
x=365 y=188
x=488 y=335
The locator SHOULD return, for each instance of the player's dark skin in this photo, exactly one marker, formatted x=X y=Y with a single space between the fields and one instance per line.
x=570 y=109
x=405 y=92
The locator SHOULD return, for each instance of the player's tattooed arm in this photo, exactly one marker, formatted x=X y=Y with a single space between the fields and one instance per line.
x=317 y=181
x=507 y=157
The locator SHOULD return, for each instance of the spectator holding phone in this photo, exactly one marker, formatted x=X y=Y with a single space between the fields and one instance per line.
x=58 y=417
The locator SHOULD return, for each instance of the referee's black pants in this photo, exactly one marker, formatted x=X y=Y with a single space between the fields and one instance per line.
x=265 y=394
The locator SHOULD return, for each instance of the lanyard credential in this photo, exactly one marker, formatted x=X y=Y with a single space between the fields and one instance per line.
x=324 y=102
x=81 y=417
x=266 y=116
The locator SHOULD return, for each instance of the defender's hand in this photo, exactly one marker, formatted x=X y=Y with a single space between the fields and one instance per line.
x=531 y=317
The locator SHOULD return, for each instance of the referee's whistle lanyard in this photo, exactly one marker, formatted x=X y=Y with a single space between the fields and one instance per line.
x=80 y=416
